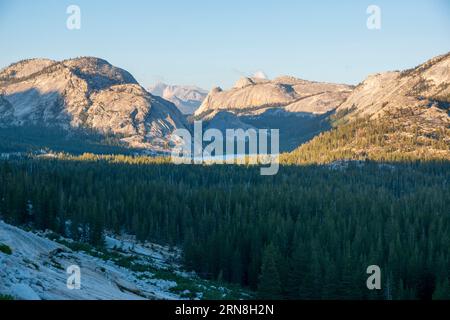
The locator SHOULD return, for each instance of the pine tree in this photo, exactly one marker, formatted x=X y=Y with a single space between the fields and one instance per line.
x=269 y=284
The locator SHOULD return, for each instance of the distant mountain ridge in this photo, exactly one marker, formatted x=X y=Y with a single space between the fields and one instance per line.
x=298 y=108
x=86 y=93
x=186 y=98
x=390 y=115
x=255 y=96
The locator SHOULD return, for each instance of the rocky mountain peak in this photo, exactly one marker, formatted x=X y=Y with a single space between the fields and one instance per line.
x=243 y=82
x=24 y=68
x=251 y=95
x=99 y=73
x=417 y=88
x=86 y=93
x=186 y=98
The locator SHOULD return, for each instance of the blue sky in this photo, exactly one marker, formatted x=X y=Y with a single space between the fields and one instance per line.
x=211 y=43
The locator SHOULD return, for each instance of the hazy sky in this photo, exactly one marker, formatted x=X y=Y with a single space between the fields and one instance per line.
x=211 y=43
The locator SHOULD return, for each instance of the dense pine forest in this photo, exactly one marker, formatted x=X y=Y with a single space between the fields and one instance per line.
x=309 y=232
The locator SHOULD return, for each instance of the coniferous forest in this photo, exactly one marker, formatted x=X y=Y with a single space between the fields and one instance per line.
x=309 y=232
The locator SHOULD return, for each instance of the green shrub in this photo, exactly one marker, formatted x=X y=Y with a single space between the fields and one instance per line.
x=5 y=249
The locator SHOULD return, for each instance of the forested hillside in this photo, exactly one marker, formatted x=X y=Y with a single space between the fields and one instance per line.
x=307 y=233
x=391 y=116
x=386 y=139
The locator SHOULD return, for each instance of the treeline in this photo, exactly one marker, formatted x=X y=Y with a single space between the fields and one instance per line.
x=387 y=139
x=34 y=138
x=306 y=233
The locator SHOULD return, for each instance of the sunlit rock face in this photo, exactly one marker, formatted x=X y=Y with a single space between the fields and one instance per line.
x=186 y=98
x=256 y=95
x=86 y=93
x=297 y=108
x=424 y=89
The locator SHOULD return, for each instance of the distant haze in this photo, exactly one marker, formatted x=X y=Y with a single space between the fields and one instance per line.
x=186 y=98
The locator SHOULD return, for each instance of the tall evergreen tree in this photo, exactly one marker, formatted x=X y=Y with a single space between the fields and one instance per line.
x=269 y=284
